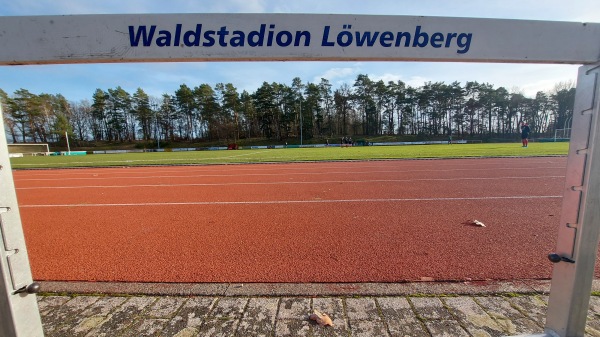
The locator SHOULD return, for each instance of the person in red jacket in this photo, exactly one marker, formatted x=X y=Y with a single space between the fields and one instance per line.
x=525 y=130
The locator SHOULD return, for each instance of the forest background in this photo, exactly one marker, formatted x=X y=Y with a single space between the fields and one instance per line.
x=277 y=113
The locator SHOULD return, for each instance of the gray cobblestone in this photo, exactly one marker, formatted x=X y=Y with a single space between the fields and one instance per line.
x=186 y=332
x=473 y=317
x=334 y=307
x=50 y=303
x=593 y=326
x=532 y=307
x=364 y=318
x=292 y=318
x=219 y=327
x=292 y=328
x=430 y=308
x=123 y=317
x=393 y=316
x=149 y=327
x=229 y=308
x=57 y=321
x=259 y=318
x=93 y=316
x=165 y=307
x=498 y=307
x=401 y=319
x=362 y=309
x=368 y=328
x=591 y=332
x=509 y=318
x=225 y=318
x=446 y=328
x=190 y=317
x=594 y=307
x=294 y=308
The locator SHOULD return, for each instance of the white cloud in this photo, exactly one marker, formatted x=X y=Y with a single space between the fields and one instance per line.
x=231 y=6
x=416 y=81
x=335 y=74
x=413 y=81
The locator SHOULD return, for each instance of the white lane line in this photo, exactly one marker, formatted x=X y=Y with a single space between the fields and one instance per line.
x=256 y=167
x=279 y=202
x=346 y=172
x=285 y=182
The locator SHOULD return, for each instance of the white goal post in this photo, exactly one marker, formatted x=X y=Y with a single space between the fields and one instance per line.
x=320 y=37
x=562 y=134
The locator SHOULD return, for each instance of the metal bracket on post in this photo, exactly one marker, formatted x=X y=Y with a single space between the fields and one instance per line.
x=19 y=313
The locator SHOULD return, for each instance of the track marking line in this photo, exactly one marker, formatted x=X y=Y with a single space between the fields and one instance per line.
x=270 y=174
x=254 y=167
x=288 y=182
x=277 y=202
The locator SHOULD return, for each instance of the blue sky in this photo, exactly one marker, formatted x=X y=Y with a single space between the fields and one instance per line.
x=78 y=82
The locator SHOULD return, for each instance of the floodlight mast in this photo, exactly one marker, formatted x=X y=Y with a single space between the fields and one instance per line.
x=319 y=37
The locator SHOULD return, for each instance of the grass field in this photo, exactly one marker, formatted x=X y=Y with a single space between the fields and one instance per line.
x=294 y=155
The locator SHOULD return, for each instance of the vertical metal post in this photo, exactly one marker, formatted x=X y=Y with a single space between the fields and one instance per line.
x=68 y=145
x=19 y=313
x=301 y=126
x=577 y=243
x=155 y=106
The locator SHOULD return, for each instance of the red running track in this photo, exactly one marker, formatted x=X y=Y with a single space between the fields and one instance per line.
x=380 y=221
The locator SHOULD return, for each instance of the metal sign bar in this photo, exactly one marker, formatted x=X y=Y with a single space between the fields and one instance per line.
x=19 y=313
x=289 y=37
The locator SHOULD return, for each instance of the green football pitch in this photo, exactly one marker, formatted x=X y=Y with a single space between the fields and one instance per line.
x=294 y=155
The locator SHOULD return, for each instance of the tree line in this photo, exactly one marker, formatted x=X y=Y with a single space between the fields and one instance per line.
x=284 y=112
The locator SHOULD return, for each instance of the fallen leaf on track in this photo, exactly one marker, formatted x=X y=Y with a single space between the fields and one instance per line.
x=474 y=223
x=320 y=318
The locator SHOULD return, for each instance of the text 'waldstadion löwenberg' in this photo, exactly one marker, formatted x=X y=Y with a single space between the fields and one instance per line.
x=268 y=36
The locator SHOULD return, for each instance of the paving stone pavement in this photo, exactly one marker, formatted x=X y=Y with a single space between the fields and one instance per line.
x=200 y=315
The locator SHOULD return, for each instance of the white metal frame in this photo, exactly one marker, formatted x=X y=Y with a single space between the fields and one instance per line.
x=104 y=38
x=19 y=314
x=579 y=229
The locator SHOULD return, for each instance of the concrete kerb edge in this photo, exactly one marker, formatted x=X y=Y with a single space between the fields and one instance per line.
x=302 y=289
